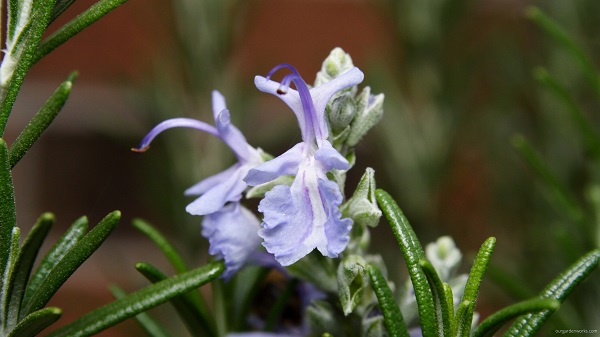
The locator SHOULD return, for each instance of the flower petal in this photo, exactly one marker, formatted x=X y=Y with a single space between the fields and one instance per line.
x=218 y=104
x=215 y=198
x=291 y=97
x=285 y=164
x=330 y=158
x=231 y=233
x=232 y=136
x=323 y=93
x=303 y=217
x=285 y=226
x=210 y=182
x=336 y=229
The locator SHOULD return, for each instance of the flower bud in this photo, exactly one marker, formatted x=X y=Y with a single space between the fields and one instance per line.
x=369 y=112
x=362 y=207
x=444 y=256
x=335 y=64
x=340 y=112
x=352 y=281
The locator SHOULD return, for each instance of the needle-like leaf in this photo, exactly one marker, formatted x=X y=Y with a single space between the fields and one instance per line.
x=7 y=206
x=392 y=316
x=72 y=260
x=472 y=287
x=56 y=253
x=558 y=289
x=36 y=322
x=140 y=301
x=196 y=322
x=40 y=122
x=24 y=264
x=152 y=328
x=413 y=252
x=493 y=323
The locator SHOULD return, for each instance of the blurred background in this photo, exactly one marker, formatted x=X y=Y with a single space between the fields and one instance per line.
x=459 y=85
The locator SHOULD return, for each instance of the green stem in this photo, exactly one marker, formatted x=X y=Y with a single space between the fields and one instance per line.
x=39 y=20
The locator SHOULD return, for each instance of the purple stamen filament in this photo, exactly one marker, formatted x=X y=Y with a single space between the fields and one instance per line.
x=174 y=123
x=311 y=125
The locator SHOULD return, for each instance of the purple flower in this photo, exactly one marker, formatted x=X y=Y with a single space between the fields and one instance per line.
x=305 y=215
x=231 y=233
x=229 y=227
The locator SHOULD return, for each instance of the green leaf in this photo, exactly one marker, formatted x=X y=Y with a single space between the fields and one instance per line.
x=152 y=328
x=140 y=301
x=174 y=257
x=8 y=278
x=561 y=195
x=588 y=131
x=24 y=264
x=35 y=322
x=59 y=8
x=463 y=319
x=443 y=309
x=413 y=252
x=509 y=283
x=559 y=35
x=162 y=243
x=352 y=281
x=13 y=9
x=39 y=22
x=8 y=217
x=558 y=289
x=246 y=286
x=392 y=316
x=450 y=300
x=197 y=322
x=40 y=122
x=72 y=260
x=53 y=257
x=493 y=323
x=73 y=27
x=473 y=283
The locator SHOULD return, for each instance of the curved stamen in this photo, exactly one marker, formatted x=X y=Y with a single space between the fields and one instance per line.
x=174 y=123
x=284 y=85
x=312 y=124
x=281 y=66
